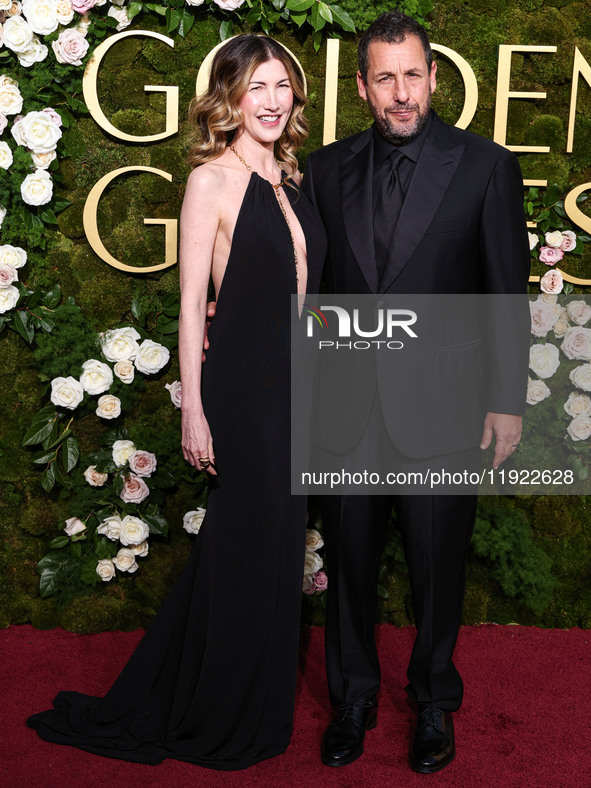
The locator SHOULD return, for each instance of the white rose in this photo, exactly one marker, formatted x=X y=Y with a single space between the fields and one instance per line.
x=577 y=343
x=64 y=11
x=533 y=240
x=74 y=526
x=312 y=562
x=120 y=344
x=96 y=377
x=105 y=569
x=569 y=241
x=561 y=324
x=542 y=318
x=140 y=550
x=5 y=155
x=70 y=47
x=314 y=540
x=187 y=2
x=110 y=527
x=12 y=255
x=2 y=214
x=125 y=560
x=552 y=282
x=125 y=371
x=122 y=451
x=66 y=392
x=11 y=101
x=192 y=520
x=548 y=298
x=5 y=5
x=41 y=15
x=579 y=312
x=18 y=35
x=120 y=14
x=229 y=5
x=142 y=463
x=581 y=377
x=94 y=478
x=37 y=188
x=133 y=530
x=537 y=391
x=8 y=298
x=43 y=160
x=38 y=131
x=175 y=391
x=151 y=357
x=308 y=586
x=553 y=239
x=3 y=118
x=108 y=407
x=544 y=360
x=577 y=404
x=580 y=428
x=35 y=54
x=8 y=275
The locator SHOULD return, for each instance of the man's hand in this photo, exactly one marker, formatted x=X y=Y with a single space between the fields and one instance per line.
x=507 y=432
x=210 y=314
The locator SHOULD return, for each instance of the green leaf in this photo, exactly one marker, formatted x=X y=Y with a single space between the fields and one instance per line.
x=317 y=22
x=278 y=5
x=162 y=480
x=317 y=39
x=55 y=439
x=22 y=323
x=31 y=220
x=34 y=298
x=106 y=466
x=48 y=583
x=342 y=18
x=173 y=18
x=325 y=12
x=299 y=19
x=59 y=205
x=226 y=28
x=48 y=216
x=71 y=454
x=44 y=458
x=59 y=542
x=169 y=327
x=48 y=478
x=46 y=325
x=136 y=309
x=156 y=523
x=76 y=549
x=133 y=9
x=41 y=426
x=299 y=5
x=582 y=197
x=253 y=16
x=382 y=592
x=118 y=484
x=158 y=9
x=186 y=23
x=52 y=297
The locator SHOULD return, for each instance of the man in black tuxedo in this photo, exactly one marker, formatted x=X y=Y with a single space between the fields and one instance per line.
x=411 y=205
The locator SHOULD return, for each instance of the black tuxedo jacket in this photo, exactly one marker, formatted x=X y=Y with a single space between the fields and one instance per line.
x=461 y=230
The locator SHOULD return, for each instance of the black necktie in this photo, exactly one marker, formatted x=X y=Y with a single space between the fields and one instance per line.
x=387 y=209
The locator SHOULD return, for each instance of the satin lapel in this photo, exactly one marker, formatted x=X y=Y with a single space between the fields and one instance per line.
x=356 y=177
x=433 y=173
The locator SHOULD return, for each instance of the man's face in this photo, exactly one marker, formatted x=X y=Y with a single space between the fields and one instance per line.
x=398 y=88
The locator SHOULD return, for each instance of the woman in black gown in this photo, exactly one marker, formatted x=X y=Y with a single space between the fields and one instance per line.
x=213 y=680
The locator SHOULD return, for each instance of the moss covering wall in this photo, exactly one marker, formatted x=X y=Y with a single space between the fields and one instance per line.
x=531 y=558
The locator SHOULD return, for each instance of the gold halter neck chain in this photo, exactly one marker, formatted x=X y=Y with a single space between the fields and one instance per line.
x=276 y=187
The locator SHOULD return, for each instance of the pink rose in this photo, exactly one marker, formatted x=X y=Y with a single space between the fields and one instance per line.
x=569 y=241
x=550 y=255
x=320 y=581
x=56 y=118
x=174 y=389
x=135 y=490
x=552 y=282
x=142 y=463
x=74 y=526
x=82 y=6
x=542 y=318
x=70 y=47
x=8 y=275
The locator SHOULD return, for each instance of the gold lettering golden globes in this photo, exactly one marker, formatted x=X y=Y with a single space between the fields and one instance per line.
x=580 y=66
x=89 y=88
x=470 y=84
x=89 y=219
x=504 y=94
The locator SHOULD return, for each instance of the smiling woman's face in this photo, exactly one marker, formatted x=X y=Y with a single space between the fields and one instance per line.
x=267 y=103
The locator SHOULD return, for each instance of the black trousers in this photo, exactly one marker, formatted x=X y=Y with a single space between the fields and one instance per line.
x=436 y=531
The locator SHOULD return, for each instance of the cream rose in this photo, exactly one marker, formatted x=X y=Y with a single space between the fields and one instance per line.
x=125 y=371
x=120 y=14
x=64 y=11
x=229 y=5
x=70 y=47
x=37 y=131
x=5 y=156
x=12 y=255
x=108 y=407
x=192 y=520
x=151 y=357
x=142 y=463
x=16 y=8
x=308 y=586
x=537 y=391
x=94 y=478
x=96 y=377
x=5 y=5
x=577 y=404
x=314 y=540
x=43 y=160
x=135 y=489
x=125 y=560
x=74 y=526
x=561 y=324
x=175 y=391
x=18 y=35
x=8 y=275
x=533 y=240
x=569 y=241
x=8 y=298
x=580 y=428
x=552 y=282
x=581 y=377
x=110 y=527
x=37 y=188
x=66 y=392
x=41 y=15
x=312 y=562
x=133 y=531
x=544 y=360
x=140 y=550
x=577 y=343
x=579 y=312
x=35 y=54
x=542 y=318
x=549 y=299
x=11 y=101
x=122 y=451
x=120 y=344
x=553 y=239
x=105 y=569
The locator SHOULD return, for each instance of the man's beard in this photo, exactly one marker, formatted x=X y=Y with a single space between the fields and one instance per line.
x=411 y=130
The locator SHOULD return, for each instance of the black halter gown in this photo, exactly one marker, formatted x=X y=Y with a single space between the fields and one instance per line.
x=213 y=679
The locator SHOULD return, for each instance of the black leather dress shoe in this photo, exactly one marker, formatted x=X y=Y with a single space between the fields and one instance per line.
x=433 y=746
x=343 y=739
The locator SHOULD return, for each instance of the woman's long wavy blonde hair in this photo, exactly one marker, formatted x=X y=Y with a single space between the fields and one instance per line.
x=216 y=115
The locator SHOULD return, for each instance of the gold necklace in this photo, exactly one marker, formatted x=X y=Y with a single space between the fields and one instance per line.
x=276 y=187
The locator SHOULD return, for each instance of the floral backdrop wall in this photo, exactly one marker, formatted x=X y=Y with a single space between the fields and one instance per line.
x=97 y=507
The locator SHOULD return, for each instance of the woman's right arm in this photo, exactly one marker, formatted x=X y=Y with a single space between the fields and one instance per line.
x=200 y=219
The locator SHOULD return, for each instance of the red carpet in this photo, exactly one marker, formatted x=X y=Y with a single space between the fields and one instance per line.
x=526 y=718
